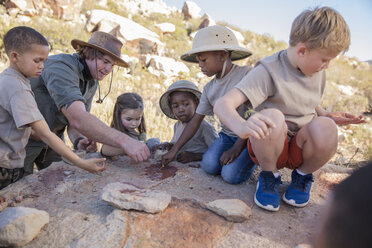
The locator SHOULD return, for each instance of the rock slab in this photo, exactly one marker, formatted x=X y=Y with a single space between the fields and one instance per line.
x=234 y=210
x=20 y=225
x=127 y=196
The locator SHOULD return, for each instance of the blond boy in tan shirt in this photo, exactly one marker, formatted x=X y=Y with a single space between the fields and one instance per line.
x=286 y=89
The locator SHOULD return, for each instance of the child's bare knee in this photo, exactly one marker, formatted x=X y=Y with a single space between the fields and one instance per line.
x=324 y=132
x=278 y=118
x=274 y=114
x=325 y=124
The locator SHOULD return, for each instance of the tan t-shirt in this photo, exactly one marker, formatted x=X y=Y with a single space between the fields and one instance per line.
x=217 y=88
x=200 y=142
x=17 y=110
x=275 y=83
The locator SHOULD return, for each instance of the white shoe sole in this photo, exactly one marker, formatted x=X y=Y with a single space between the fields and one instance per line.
x=293 y=202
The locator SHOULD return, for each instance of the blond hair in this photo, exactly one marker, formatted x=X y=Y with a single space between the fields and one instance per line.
x=321 y=28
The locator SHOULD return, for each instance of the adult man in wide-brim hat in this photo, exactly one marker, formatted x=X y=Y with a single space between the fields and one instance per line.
x=64 y=94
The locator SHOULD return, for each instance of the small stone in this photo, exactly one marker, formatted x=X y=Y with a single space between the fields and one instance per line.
x=128 y=196
x=19 y=199
x=67 y=173
x=194 y=165
x=233 y=210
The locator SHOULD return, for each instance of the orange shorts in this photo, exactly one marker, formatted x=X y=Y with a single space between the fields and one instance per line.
x=291 y=156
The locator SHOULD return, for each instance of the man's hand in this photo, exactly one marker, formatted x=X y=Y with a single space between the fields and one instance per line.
x=87 y=145
x=136 y=150
x=342 y=118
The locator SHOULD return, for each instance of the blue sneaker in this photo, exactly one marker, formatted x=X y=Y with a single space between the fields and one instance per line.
x=298 y=192
x=267 y=191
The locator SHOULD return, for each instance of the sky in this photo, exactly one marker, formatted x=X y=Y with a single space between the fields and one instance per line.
x=275 y=17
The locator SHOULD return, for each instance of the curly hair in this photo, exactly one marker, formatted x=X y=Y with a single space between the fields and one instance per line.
x=21 y=38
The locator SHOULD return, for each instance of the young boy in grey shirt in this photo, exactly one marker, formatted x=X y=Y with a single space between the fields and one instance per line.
x=180 y=102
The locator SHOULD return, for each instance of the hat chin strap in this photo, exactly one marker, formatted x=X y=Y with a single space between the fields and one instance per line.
x=223 y=69
x=100 y=101
x=224 y=65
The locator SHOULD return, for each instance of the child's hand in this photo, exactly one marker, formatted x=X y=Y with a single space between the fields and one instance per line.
x=258 y=126
x=168 y=157
x=186 y=157
x=93 y=164
x=229 y=156
x=342 y=118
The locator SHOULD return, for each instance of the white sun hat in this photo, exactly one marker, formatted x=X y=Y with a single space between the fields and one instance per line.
x=181 y=85
x=216 y=38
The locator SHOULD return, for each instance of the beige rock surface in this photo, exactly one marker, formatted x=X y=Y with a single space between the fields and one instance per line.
x=79 y=218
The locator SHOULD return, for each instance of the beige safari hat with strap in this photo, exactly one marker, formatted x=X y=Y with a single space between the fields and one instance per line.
x=181 y=85
x=105 y=43
x=216 y=38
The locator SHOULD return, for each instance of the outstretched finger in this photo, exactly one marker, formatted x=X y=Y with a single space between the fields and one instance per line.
x=262 y=129
x=268 y=121
x=139 y=157
x=255 y=135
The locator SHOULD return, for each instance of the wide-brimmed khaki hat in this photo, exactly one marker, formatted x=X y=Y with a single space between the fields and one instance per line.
x=216 y=38
x=104 y=42
x=181 y=85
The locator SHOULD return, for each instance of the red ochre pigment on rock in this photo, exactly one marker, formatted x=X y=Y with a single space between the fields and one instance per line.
x=159 y=172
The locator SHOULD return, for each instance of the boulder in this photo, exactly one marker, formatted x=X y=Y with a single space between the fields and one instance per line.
x=159 y=65
x=145 y=7
x=191 y=10
x=63 y=9
x=166 y=27
x=206 y=21
x=20 y=225
x=136 y=37
x=79 y=218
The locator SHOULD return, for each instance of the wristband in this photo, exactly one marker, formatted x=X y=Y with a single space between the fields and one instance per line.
x=76 y=142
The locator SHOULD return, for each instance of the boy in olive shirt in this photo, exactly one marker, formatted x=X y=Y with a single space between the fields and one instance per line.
x=27 y=50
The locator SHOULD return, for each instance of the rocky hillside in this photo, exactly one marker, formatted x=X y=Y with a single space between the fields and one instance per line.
x=155 y=36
